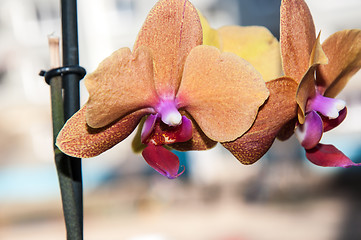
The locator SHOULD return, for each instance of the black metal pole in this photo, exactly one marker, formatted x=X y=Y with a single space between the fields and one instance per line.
x=71 y=93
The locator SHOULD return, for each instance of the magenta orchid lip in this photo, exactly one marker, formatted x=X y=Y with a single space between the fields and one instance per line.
x=309 y=134
x=155 y=137
x=328 y=107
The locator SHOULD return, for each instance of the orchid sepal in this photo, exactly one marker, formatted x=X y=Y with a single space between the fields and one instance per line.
x=77 y=139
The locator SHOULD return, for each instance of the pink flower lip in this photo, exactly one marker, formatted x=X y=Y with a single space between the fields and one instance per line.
x=328 y=107
x=148 y=126
x=309 y=134
x=155 y=134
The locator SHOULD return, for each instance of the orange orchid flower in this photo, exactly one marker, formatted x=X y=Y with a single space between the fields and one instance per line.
x=315 y=74
x=322 y=71
x=191 y=95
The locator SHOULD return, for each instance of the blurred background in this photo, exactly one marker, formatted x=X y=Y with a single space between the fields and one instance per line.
x=282 y=196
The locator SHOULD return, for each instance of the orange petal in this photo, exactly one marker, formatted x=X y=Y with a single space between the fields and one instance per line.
x=255 y=44
x=171 y=30
x=318 y=56
x=343 y=50
x=279 y=109
x=297 y=37
x=306 y=90
x=199 y=140
x=222 y=92
x=121 y=84
x=79 y=140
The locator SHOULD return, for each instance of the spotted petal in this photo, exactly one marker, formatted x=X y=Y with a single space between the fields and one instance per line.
x=280 y=108
x=79 y=140
x=170 y=31
x=297 y=37
x=329 y=156
x=121 y=84
x=255 y=44
x=222 y=92
x=344 y=52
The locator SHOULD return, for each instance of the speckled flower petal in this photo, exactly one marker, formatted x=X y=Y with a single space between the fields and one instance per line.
x=329 y=156
x=79 y=140
x=255 y=44
x=278 y=110
x=310 y=133
x=162 y=160
x=171 y=30
x=344 y=52
x=121 y=84
x=222 y=92
x=297 y=37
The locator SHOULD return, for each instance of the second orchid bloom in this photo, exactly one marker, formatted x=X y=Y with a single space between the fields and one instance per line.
x=302 y=101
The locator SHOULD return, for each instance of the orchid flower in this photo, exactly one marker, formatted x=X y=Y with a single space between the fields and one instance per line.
x=305 y=92
x=322 y=71
x=191 y=95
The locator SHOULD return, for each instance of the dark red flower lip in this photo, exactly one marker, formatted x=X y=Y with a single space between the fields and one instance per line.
x=162 y=160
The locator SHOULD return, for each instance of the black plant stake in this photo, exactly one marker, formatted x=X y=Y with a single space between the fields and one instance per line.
x=64 y=85
x=71 y=96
